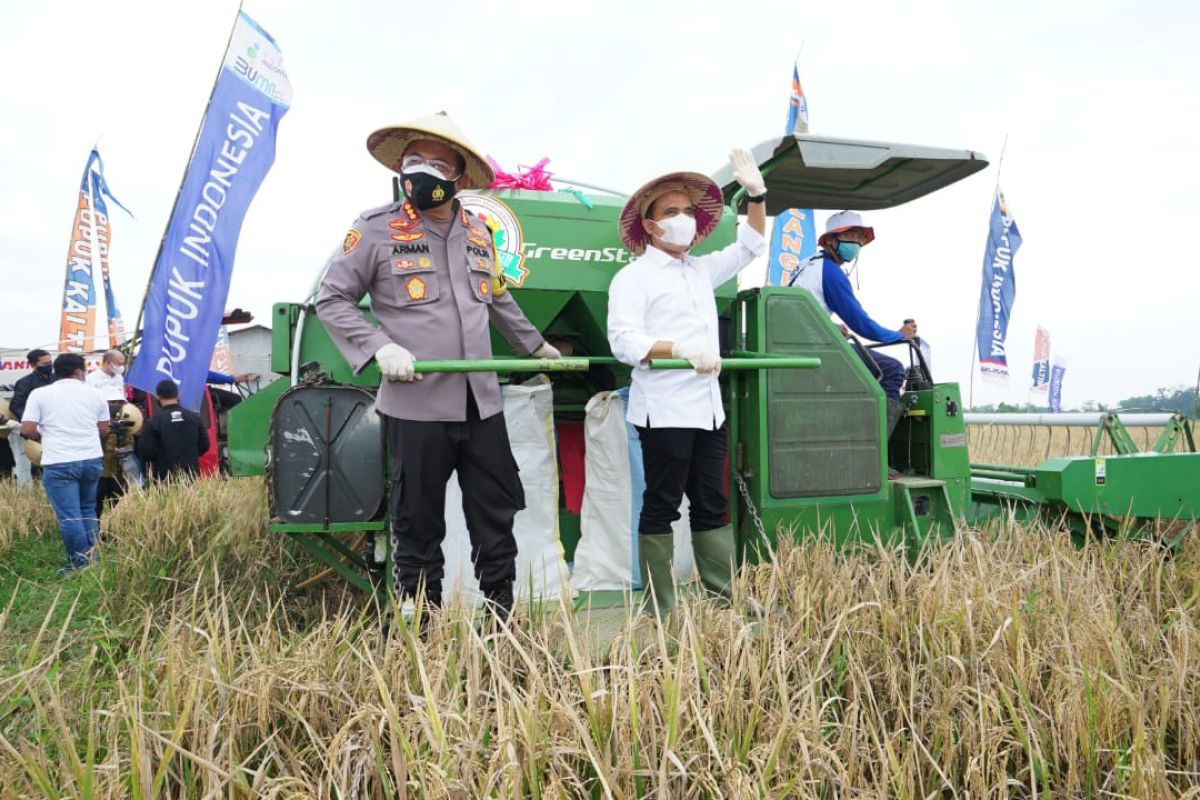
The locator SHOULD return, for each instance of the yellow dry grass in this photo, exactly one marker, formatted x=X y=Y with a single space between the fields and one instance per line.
x=1030 y=445
x=1005 y=664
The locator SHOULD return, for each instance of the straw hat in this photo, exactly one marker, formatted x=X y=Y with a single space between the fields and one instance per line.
x=5 y=415
x=388 y=146
x=705 y=194
x=33 y=451
x=844 y=221
x=131 y=413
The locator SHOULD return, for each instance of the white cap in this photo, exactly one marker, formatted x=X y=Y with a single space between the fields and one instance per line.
x=844 y=221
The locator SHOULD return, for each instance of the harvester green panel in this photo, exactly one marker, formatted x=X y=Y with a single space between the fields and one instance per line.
x=931 y=440
x=1147 y=485
x=809 y=442
x=824 y=424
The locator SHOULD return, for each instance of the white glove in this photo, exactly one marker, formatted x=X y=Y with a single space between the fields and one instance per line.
x=703 y=356
x=12 y=425
x=747 y=173
x=547 y=350
x=396 y=363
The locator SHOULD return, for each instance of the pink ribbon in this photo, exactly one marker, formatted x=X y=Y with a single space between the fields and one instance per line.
x=534 y=178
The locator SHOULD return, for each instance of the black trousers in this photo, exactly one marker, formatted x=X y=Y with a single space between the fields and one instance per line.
x=679 y=461
x=109 y=492
x=423 y=456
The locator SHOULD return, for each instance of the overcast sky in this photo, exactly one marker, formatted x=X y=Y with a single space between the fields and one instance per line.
x=1100 y=102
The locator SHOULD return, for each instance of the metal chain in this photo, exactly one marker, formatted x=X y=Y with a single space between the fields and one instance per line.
x=755 y=518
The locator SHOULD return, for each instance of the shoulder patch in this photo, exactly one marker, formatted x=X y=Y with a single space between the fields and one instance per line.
x=353 y=237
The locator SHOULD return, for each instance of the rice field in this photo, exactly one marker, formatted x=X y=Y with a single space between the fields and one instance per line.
x=1029 y=445
x=1005 y=664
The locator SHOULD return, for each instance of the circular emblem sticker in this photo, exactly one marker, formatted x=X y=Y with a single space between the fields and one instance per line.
x=506 y=233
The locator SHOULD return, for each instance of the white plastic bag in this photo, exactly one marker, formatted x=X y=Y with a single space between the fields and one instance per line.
x=607 y=554
x=529 y=416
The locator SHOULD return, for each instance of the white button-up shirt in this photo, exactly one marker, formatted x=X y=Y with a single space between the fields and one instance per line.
x=657 y=297
x=111 y=387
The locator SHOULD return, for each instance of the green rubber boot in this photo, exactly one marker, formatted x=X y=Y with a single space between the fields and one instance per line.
x=655 y=555
x=716 y=557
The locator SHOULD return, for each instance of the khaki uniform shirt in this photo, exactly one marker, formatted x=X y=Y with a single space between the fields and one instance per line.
x=434 y=295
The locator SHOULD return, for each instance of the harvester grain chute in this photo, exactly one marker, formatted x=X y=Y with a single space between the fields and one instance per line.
x=807 y=421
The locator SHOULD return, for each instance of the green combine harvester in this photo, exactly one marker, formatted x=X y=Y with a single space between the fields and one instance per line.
x=809 y=451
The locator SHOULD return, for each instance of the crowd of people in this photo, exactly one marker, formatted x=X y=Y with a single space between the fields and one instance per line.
x=87 y=428
x=436 y=288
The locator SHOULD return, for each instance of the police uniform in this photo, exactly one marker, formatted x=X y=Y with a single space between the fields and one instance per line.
x=434 y=289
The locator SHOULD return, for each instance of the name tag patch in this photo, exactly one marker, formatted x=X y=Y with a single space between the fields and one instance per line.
x=410 y=249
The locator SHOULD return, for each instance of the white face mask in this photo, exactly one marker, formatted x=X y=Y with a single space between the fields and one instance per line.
x=678 y=230
x=119 y=369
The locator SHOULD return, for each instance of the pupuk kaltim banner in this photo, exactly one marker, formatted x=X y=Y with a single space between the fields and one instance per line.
x=1041 y=361
x=90 y=238
x=998 y=293
x=236 y=147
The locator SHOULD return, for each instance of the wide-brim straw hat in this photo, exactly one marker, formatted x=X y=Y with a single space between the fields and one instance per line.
x=5 y=416
x=131 y=413
x=844 y=221
x=388 y=146
x=705 y=195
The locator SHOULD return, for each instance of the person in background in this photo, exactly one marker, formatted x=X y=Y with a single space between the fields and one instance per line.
x=70 y=418
x=172 y=440
x=109 y=380
x=821 y=274
x=118 y=444
x=909 y=331
x=662 y=305
x=42 y=375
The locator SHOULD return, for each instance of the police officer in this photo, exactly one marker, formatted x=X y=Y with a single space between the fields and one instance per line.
x=430 y=268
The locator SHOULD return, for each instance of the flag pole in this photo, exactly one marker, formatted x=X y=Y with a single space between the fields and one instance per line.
x=975 y=346
x=136 y=335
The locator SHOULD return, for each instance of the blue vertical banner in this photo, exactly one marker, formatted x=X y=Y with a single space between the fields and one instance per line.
x=236 y=147
x=793 y=239
x=998 y=293
x=1056 y=379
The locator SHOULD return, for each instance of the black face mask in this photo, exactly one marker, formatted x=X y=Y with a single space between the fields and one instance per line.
x=45 y=369
x=427 y=191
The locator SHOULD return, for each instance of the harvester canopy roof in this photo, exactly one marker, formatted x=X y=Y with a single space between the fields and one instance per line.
x=804 y=171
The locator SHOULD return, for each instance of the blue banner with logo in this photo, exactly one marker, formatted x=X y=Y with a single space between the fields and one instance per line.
x=1056 y=379
x=793 y=239
x=998 y=292
x=190 y=284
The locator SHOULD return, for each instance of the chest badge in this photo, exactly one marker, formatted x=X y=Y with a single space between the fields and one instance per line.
x=485 y=287
x=415 y=289
x=402 y=264
x=408 y=237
